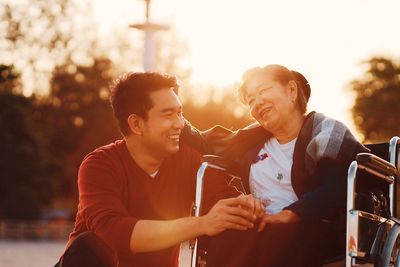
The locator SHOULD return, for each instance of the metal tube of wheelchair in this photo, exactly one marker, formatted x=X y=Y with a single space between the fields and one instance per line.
x=394 y=153
x=393 y=148
x=197 y=205
x=391 y=198
x=351 y=180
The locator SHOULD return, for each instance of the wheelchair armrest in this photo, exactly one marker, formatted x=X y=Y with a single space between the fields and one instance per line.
x=377 y=164
x=229 y=166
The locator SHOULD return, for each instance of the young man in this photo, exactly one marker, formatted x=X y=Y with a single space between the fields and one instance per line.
x=135 y=194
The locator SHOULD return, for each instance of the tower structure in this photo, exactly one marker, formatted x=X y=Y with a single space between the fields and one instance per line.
x=149 y=29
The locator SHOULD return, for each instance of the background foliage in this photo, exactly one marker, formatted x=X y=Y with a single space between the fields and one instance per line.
x=376 y=111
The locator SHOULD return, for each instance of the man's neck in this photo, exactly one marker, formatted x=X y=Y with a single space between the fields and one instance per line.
x=142 y=156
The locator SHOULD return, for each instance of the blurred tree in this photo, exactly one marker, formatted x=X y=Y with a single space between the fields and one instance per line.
x=376 y=111
x=217 y=106
x=78 y=115
x=43 y=140
x=25 y=184
x=9 y=80
x=36 y=36
x=171 y=56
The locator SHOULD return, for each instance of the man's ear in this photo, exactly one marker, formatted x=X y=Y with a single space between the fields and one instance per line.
x=135 y=124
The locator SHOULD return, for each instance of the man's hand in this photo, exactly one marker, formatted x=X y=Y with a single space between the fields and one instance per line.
x=232 y=213
x=285 y=216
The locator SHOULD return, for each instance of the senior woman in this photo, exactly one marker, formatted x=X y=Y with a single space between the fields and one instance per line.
x=296 y=163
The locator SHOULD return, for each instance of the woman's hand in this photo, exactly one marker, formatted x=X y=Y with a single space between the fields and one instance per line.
x=285 y=216
x=254 y=205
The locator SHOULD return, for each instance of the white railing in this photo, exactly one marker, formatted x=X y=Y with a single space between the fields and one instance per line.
x=21 y=230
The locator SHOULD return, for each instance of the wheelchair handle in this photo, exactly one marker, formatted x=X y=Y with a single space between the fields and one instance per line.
x=375 y=164
x=226 y=165
x=394 y=151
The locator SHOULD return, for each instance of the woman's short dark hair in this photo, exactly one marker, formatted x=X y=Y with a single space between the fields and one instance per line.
x=283 y=75
x=130 y=94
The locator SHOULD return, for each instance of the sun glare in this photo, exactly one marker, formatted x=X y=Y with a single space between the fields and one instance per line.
x=326 y=41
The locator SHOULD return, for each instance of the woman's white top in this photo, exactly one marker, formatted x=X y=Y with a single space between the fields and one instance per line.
x=270 y=175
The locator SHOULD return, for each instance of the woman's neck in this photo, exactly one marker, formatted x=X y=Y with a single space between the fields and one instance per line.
x=290 y=130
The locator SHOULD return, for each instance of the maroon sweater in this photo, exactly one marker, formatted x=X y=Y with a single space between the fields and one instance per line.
x=114 y=193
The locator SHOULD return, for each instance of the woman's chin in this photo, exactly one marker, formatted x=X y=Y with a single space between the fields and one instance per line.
x=265 y=124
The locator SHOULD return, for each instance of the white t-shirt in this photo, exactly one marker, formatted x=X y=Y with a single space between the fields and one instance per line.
x=270 y=176
x=153 y=175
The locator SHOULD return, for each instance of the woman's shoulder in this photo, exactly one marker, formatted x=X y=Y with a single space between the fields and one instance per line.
x=319 y=119
x=317 y=123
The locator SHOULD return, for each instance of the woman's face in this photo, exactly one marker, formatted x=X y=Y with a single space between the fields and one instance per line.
x=271 y=103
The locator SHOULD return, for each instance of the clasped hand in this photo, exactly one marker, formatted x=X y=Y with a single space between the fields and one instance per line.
x=239 y=213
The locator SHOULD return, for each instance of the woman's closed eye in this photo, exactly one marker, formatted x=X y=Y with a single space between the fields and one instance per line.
x=250 y=101
x=263 y=90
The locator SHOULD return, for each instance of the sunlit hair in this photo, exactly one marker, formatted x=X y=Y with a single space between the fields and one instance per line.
x=282 y=75
x=130 y=94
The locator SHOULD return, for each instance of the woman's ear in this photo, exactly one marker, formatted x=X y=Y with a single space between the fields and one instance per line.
x=135 y=124
x=292 y=90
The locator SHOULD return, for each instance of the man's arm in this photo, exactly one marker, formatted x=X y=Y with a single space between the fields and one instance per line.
x=234 y=213
x=101 y=205
x=221 y=141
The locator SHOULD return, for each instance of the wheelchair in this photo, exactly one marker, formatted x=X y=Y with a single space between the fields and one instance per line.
x=372 y=229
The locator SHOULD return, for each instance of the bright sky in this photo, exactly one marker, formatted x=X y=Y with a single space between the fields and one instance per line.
x=324 y=40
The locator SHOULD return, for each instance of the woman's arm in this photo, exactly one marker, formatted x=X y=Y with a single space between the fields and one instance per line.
x=192 y=137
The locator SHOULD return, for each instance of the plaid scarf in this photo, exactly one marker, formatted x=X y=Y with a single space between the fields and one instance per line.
x=326 y=138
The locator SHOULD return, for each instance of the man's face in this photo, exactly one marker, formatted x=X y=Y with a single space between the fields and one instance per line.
x=164 y=123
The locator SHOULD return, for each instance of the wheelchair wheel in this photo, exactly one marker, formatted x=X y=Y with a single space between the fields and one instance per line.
x=391 y=249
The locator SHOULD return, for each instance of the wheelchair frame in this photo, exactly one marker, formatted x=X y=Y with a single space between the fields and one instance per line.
x=356 y=219
x=214 y=162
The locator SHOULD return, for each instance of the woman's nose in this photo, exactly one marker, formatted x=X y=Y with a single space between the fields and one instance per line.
x=259 y=100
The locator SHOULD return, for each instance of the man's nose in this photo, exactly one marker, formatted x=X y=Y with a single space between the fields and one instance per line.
x=179 y=122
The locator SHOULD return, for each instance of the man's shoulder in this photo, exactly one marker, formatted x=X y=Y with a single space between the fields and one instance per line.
x=186 y=156
x=104 y=163
x=107 y=152
x=187 y=152
x=109 y=148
